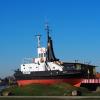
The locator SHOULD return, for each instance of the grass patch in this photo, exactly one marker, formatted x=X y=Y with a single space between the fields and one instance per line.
x=61 y=89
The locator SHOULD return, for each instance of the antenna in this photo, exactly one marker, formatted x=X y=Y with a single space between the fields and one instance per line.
x=38 y=38
x=47 y=29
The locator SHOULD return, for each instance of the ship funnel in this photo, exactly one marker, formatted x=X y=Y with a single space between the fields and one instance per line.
x=50 y=51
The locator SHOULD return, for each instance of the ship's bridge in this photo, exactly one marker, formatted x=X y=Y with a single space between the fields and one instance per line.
x=41 y=55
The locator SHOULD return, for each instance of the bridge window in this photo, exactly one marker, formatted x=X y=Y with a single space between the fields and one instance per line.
x=44 y=54
x=41 y=54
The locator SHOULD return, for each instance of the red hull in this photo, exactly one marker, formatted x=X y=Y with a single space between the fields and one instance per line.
x=72 y=81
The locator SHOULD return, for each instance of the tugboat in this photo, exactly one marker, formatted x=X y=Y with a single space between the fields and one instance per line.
x=47 y=69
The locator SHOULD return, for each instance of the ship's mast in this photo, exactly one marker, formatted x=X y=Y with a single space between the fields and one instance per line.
x=47 y=30
x=38 y=38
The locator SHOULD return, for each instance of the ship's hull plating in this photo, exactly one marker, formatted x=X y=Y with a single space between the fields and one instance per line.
x=73 y=78
x=72 y=81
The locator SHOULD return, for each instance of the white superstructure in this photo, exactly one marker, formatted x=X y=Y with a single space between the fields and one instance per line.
x=40 y=64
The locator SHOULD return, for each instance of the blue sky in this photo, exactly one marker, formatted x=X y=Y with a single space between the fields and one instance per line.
x=75 y=29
